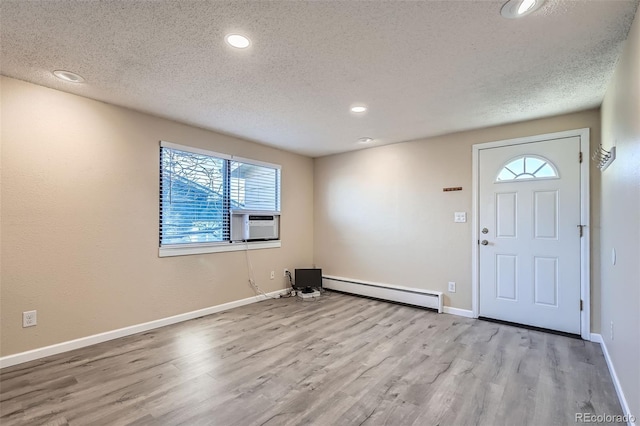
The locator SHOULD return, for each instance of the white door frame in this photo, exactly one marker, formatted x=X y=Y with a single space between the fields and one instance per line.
x=585 y=275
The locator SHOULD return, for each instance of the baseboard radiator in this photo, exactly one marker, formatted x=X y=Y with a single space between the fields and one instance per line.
x=395 y=293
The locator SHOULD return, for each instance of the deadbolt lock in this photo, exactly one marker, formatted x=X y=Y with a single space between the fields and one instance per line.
x=485 y=231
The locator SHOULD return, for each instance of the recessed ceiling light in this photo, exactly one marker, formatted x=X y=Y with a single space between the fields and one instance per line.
x=365 y=140
x=68 y=76
x=526 y=6
x=238 y=41
x=520 y=8
x=358 y=109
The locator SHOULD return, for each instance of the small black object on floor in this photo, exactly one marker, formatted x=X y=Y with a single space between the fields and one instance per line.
x=307 y=290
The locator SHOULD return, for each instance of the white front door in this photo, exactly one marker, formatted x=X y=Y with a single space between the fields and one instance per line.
x=529 y=253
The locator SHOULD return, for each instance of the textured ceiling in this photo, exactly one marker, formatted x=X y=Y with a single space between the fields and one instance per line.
x=424 y=68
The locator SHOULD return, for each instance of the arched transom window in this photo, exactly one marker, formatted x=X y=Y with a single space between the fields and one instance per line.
x=527 y=167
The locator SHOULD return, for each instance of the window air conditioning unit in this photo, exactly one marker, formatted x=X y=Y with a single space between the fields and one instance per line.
x=254 y=226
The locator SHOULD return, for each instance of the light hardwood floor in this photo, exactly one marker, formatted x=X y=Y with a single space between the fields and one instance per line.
x=341 y=360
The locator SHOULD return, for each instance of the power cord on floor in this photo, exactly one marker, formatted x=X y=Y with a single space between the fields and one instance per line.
x=292 y=291
x=252 y=281
x=288 y=273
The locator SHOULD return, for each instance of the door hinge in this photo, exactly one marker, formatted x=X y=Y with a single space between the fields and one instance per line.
x=580 y=156
x=580 y=305
x=580 y=230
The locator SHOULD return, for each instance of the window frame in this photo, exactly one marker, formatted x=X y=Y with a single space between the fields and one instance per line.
x=534 y=177
x=185 y=249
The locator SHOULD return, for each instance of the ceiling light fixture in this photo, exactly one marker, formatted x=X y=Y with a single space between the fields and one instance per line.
x=365 y=140
x=238 y=41
x=68 y=76
x=519 y=8
x=358 y=109
x=525 y=6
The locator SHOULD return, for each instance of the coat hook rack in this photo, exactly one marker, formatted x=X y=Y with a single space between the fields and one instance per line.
x=604 y=158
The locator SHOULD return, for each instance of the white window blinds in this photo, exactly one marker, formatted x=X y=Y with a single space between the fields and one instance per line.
x=255 y=187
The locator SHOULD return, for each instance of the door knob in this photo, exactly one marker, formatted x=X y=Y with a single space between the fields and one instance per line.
x=484 y=242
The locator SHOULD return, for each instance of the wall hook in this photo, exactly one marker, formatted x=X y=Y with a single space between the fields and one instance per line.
x=603 y=158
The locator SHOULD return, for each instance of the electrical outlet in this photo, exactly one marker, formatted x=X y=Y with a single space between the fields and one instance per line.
x=273 y=275
x=452 y=287
x=29 y=318
x=286 y=271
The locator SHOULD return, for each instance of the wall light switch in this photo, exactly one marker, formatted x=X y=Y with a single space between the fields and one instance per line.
x=460 y=217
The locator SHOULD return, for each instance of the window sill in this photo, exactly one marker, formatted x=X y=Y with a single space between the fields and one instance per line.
x=217 y=248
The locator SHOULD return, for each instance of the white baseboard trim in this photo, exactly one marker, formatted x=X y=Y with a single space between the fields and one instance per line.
x=19 y=358
x=597 y=338
x=459 y=312
x=392 y=292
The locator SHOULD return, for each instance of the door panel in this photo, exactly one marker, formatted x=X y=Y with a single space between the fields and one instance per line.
x=529 y=269
x=507 y=278
x=545 y=214
x=545 y=279
x=506 y=215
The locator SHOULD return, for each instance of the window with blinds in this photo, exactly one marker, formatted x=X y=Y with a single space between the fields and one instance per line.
x=254 y=187
x=198 y=189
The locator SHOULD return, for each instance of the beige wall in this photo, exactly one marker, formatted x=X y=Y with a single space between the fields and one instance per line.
x=79 y=220
x=621 y=220
x=381 y=214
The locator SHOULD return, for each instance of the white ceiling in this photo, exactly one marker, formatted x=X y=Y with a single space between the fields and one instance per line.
x=424 y=68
